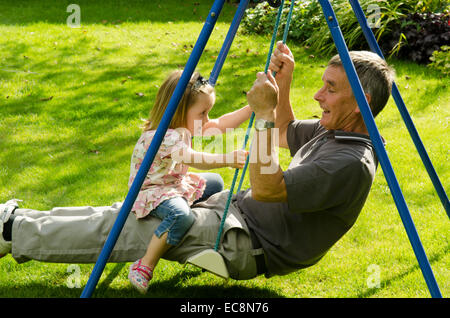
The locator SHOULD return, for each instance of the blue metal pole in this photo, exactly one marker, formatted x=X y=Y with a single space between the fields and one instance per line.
x=153 y=148
x=228 y=41
x=379 y=148
x=373 y=44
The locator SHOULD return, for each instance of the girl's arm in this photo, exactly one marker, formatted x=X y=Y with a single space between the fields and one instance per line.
x=230 y=120
x=206 y=161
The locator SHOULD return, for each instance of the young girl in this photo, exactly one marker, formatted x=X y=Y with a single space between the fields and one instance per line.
x=169 y=189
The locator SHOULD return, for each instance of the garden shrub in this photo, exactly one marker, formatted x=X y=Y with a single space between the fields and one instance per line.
x=396 y=23
x=306 y=17
x=417 y=36
x=440 y=60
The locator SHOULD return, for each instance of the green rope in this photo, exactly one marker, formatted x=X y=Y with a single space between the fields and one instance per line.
x=288 y=22
x=285 y=34
x=236 y=172
x=274 y=36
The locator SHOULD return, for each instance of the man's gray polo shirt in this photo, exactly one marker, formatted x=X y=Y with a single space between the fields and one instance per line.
x=327 y=183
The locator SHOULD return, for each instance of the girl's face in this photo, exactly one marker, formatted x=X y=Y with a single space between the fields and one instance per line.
x=197 y=114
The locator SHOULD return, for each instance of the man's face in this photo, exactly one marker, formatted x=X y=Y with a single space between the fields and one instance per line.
x=336 y=99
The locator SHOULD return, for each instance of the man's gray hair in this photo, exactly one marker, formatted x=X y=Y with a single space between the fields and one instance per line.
x=375 y=75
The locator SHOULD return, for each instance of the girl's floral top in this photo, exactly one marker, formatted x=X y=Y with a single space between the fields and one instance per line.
x=166 y=178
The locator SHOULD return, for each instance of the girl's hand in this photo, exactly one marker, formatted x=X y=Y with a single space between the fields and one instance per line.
x=238 y=158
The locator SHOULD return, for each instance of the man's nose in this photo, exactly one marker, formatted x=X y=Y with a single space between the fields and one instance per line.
x=318 y=95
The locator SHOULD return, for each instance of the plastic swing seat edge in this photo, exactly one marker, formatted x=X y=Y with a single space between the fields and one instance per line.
x=211 y=261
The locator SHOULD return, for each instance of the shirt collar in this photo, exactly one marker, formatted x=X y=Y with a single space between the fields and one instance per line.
x=343 y=136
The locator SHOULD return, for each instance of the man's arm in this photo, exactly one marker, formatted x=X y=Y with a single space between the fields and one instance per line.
x=266 y=176
x=282 y=62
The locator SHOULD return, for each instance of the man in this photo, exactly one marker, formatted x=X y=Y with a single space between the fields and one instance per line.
x=300 y=213
x=286 y=221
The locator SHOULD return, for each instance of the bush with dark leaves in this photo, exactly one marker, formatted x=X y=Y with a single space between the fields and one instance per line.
x=417 y=36
x=412 y=36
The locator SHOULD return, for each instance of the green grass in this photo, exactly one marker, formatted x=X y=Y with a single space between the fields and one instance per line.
x=74 y=148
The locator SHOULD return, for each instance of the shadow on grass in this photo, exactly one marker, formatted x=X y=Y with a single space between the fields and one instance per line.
x=386 y=283
x=87 y=105
x=109 y=12
x=176 y=286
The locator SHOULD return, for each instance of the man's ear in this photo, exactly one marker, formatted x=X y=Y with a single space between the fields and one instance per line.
x=368 y=98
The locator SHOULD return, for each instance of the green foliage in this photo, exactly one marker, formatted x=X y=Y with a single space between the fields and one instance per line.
x=308 y=26
x=417 y=36
x=431 y=6
x=440 y=60
x=306 y=17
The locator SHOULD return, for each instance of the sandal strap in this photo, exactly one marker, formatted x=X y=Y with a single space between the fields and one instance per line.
x=143 y=269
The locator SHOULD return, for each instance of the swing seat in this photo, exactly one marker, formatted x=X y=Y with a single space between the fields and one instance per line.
x=211 y=261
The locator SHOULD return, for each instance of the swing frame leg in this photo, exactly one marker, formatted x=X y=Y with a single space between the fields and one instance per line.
x=373 y=44
x=153 y=148
x=375 y=136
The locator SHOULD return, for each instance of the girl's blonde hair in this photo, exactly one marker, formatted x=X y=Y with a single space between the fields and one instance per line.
x=196 y=85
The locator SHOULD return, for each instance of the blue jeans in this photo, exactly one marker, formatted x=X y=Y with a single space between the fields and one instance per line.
x=175 y=213
x=214 y=184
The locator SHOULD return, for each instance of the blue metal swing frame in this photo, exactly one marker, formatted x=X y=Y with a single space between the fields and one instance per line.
x=363 y=105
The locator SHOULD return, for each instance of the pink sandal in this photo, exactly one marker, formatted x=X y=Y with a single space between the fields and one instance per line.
x=139 y=276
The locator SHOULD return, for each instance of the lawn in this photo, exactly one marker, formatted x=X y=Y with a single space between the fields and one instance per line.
x=71 y=103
